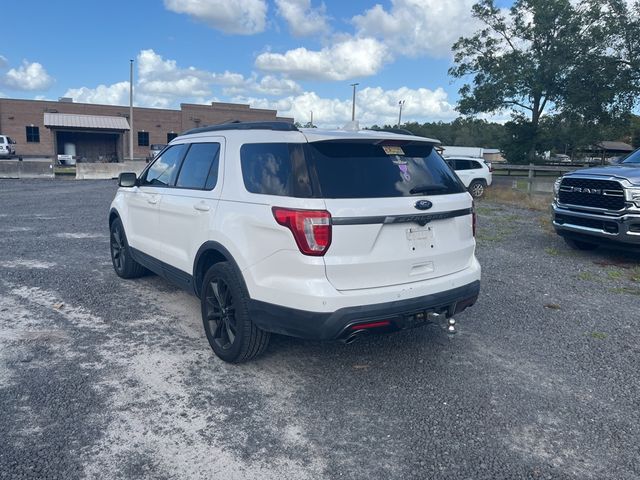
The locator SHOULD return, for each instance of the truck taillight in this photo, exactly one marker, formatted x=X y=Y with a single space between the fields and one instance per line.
x=311 y=229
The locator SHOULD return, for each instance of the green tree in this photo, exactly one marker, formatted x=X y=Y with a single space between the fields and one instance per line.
x=547 y=55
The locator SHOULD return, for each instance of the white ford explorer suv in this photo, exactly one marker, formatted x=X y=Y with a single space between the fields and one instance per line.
x=311 y=233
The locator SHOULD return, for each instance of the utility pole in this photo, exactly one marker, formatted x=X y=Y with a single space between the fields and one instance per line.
x=130 y=109
x=353 y=102
x=401 y=103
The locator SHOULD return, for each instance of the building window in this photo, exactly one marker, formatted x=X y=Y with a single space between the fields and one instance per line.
x=171 y=136
x=143 y=139
x=33 y=134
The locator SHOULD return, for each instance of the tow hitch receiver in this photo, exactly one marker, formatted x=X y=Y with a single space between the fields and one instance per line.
x=448 y=324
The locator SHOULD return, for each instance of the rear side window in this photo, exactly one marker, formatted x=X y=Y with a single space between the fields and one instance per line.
x=200 y=167
x=2 y=140
x=164 y=169
x=362 y=170
x=275 y=169
x=463 y=165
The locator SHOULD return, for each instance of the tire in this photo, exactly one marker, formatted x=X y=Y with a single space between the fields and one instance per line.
x=579 y=244
x=476 y=188
x=123 y=263
x=224 y=303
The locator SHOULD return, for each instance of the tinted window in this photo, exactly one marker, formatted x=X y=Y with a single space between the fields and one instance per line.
x=474 y=165
x=171 y=136
x=356 y=170
x=633 y=157
x=463 y=165
x=2 y=140
x=164 y=169
x=33 y=134
x=275 y=169
x=143 y=139
x=200 y=167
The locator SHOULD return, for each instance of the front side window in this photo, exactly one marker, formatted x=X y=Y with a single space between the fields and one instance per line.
x=143 y=139
x=33 y=134
x=164 y=169
x=200 y=167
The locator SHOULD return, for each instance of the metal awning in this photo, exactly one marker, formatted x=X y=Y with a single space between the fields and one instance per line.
x=93 y=122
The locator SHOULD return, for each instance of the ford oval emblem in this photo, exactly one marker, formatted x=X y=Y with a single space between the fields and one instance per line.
x=423 y=205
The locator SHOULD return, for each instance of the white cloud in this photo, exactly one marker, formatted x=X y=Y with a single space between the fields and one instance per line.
x=162 y=83
x=244 y=17
x=349 y=58
x=116 y=94
x=28 y=77
x=267 y=85
x=373 y=106
x=303 y=20
x=418 y=27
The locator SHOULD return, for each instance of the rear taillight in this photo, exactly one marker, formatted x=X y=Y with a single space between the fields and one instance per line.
x=311 y=228
x=474 y=219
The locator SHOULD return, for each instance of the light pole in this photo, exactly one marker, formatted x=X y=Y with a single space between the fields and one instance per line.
x=130 y=109
x=401 y=103
x=353 y=102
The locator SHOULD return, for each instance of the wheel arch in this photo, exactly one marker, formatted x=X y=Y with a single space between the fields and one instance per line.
x=113 y=214
x=208 y=255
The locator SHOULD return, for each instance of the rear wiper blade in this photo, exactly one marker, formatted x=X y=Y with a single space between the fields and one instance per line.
x=428 y=189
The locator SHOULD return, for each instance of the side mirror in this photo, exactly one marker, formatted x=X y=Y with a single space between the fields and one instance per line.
x=127 y=179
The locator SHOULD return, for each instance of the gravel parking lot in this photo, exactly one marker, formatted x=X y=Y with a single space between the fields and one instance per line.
x=111 y=379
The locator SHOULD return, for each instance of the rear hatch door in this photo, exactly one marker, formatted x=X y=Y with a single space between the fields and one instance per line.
x=399 y=213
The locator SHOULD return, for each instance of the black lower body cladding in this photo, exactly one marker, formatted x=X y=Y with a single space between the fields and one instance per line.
x=332 y=326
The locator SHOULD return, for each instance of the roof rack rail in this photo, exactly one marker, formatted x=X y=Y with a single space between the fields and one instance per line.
x=238 y=125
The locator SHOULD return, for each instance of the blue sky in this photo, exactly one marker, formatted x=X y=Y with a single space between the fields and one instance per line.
x=291 y=55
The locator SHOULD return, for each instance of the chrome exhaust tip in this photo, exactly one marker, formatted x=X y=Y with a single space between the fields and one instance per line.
x=353 y=336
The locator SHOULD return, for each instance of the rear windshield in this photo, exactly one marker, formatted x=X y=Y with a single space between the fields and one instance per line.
x=633 y=157
x=346 y=170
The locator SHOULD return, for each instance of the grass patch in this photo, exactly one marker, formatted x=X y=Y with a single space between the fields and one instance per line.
x=598 y=335
x=587 y=276
x=509 y=196
x=484 y=211
x=546 y=225
x=626 y=291
x=614 y=274
x=552 y=251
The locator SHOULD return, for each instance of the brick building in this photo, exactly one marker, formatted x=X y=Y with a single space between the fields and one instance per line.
x=101 y=132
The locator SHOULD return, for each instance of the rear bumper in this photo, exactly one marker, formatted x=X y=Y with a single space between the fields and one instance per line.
x=336 y=325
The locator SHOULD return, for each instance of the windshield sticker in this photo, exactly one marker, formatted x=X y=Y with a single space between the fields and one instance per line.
x=392 y=150
x=404 y=171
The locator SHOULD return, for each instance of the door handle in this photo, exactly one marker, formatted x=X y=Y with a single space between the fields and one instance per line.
x=202 y=207
x=153 y=200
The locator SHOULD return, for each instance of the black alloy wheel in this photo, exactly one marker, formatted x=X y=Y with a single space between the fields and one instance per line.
x=123 y=263
x=220 y=313
x=225 y=315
